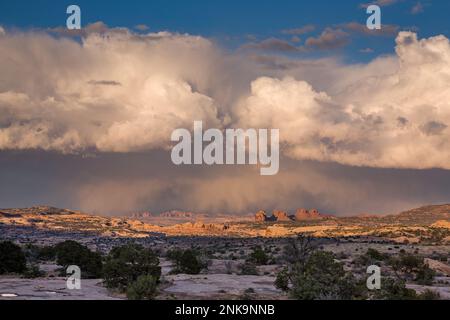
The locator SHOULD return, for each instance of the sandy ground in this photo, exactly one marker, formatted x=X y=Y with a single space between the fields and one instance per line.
x=50 y=289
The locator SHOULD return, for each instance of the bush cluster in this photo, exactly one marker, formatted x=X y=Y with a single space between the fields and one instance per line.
x=132 y=269
x=186 y=261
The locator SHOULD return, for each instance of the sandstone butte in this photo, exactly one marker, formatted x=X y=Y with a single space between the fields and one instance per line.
x=282 y=216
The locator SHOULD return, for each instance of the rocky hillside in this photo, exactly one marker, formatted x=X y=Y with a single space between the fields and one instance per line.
x=437 y=211
x=36 y=211
x=423 y=224
x=423 y=215
x=63 y=220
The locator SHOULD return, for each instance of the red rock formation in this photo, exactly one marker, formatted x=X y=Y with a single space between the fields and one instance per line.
x=314 y=214
x=260 y=216
x=303 y=214
x=281 y=215
x=141 y=215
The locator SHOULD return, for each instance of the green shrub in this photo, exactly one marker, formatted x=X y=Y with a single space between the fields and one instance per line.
x=249 y=269
x=31 y=252
x=144 y=288
x=312 y=275
x=12 y=258
x=371 y=257
x=322 y=278
x=411 y=267
x=125 y=264
x=190 y=263
x=248 y=294
x=282 y=280
x=394 y=289
x=174 y=254
x=376 y=255
x=430 y=295
x=47 y=253
x=425 y=275
x=33 y=272
x=73 y=253
x=406 y=263
x=187 y=261
x=259 y=256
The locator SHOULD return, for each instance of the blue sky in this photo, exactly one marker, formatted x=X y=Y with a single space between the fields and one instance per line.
x=233 y=22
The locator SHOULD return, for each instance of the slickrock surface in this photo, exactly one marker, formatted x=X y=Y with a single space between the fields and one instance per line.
x=51 y=289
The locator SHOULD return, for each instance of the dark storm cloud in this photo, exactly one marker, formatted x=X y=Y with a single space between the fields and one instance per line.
x=433 y=128
x=402 y=121
x=271 y=62
x=104 y=83
x=116 y=184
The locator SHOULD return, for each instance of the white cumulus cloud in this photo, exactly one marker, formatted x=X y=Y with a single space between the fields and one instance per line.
x=396 y=120
x=112 y=92
x=116 y=91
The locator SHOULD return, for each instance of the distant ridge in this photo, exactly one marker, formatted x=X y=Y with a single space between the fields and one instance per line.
x=427 y=214
x=442 y=210
x=37 y=210
x=168 y=214
x=398 y=228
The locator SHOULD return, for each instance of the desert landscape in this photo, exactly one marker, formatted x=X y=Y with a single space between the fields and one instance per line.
x=230 y=258
x=277 y=151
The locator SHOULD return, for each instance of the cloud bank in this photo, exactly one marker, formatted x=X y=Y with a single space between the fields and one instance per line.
x=117 y=91
x=397 y=120
x=112 y=92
